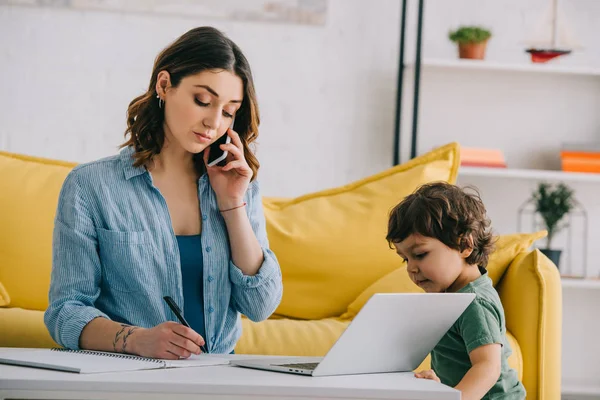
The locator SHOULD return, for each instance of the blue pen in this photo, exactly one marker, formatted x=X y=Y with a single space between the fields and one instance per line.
x=177 y=311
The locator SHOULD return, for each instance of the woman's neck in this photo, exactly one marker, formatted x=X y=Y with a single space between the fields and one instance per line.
x=173 y=159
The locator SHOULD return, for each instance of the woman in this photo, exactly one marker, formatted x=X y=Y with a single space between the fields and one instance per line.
x=156 y=221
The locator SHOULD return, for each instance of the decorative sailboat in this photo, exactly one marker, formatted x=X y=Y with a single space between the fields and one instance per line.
x=552 y=37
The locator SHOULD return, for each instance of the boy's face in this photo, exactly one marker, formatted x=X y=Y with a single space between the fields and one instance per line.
x=431 y=264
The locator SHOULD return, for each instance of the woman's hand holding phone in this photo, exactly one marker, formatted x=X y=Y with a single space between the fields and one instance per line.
x=230 y=181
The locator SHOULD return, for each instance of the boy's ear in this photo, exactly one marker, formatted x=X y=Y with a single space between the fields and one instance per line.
x=467 y=245
x=466 y=253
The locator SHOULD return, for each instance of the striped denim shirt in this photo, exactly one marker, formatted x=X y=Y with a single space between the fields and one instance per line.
x=115 y=255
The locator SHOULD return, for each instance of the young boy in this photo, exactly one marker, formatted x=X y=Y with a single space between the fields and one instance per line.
x=442 y=233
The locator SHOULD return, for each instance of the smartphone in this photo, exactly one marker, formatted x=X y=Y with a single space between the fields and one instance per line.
x=217 y=156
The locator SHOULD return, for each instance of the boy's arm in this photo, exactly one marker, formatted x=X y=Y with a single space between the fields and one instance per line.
x=484 y=372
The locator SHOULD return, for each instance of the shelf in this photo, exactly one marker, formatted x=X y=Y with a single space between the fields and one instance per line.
x=483 y=65
x=584 y=390
x=532 y=174
x=580 y=283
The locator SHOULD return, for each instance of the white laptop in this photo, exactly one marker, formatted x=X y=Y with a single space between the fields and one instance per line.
x=393 y=332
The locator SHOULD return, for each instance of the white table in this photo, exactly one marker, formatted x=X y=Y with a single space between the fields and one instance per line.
x=214 y=382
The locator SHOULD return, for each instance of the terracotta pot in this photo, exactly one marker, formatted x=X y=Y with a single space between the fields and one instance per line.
x=473 y=51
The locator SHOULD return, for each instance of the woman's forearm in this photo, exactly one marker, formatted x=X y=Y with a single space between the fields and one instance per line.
x=106 y=335
x=478 y=380
x=246 y=252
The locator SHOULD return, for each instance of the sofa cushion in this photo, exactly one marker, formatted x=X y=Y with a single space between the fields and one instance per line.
x=29 y=191
x=397 y=281
x=24 y=328
x=4 y=297
x=515 y=360
x=506 y=249
x=289 y=337
x=331 y=244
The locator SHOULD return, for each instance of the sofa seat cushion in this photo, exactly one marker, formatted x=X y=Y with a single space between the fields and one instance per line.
x=24 y=328
x=4 y=297
x=289 y=337
x=515 y=360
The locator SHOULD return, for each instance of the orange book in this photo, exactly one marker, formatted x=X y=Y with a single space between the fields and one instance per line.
x=578 y=164
x=592 y=155
x=470 y=156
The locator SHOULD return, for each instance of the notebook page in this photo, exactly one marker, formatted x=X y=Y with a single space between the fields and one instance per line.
x=77 y=361
x=201 y=360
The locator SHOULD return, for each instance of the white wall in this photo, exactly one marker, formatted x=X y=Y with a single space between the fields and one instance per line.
x=326 y=92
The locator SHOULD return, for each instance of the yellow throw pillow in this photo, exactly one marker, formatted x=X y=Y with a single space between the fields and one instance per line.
x=507 y=248
x=397 y=281
x=4 y=297
x=29 y=191
x=331 y=244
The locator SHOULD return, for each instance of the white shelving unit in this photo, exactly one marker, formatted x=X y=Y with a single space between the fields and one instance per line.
x=581 y=391
x=580 y=283
x=532 y=174
x=485 y=65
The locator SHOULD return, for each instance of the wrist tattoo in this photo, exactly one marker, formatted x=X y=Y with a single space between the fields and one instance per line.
x=129 y=332
x=118 y=336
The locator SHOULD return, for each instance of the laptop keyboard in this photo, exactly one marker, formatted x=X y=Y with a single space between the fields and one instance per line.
x=309 y=366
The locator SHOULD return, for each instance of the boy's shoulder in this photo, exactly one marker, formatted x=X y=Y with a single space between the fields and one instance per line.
x=483 y=288
x=486 y=304
x=482 y=322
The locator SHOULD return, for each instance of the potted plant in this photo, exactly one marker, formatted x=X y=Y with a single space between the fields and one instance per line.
x=471 y=40
x=553 y=203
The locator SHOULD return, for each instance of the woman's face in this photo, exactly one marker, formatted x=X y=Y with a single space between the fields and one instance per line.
x=201 y=108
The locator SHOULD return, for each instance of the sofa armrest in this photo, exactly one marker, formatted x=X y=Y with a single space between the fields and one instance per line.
x=531 y=295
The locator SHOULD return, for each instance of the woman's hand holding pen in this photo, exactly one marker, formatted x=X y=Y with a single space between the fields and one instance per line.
x=169 y=340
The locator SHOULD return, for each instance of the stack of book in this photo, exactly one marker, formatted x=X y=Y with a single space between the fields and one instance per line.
x=580 y=157
x=476 y=157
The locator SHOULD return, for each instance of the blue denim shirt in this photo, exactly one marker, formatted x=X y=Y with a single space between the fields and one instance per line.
x=115 y=255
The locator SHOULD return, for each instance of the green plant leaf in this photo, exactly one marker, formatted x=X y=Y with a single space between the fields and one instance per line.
x=553 y=202
x=469 y=34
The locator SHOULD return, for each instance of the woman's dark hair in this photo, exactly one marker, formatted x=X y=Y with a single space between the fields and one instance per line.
x=447 y=213
x=197 y=50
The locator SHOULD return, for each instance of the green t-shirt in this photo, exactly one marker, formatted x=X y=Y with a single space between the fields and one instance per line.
x=482 y=323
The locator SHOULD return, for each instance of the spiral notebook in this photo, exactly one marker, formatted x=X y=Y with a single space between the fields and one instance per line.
x=88 y=361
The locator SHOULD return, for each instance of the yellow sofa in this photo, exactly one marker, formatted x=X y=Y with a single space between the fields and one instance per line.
x=332 y=250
